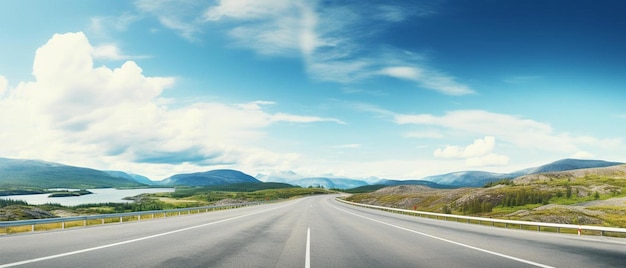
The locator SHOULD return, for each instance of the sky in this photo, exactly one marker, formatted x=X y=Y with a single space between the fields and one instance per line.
x=387 y=89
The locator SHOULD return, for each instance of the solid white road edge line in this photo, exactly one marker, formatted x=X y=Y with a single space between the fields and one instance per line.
x=448 y=241
x=307 y=258
x=132 y=240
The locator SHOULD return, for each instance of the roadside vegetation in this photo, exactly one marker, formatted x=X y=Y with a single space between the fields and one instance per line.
x=590 y=197
x=182 y=197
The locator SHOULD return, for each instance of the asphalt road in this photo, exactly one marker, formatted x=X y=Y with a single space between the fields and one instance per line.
x=315 y=231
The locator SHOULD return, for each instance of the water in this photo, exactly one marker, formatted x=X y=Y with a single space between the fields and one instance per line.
x=98 y=196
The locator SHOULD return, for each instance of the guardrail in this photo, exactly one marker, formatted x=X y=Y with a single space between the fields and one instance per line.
x=580 y=228
x=119 y=217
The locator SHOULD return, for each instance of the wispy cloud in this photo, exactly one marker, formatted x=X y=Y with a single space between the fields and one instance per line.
x=429 y=79
x=348 y=146
x=101 y=26
x=281 y=117
x=329 y=39
x=183 y=17
x=514 y=130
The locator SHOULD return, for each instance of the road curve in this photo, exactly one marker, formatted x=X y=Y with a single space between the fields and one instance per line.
x=315 y=231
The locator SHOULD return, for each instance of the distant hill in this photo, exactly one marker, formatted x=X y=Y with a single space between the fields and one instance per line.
x=480 y=178
x=430 y=184
x=567 y=164
x=249 y=186
x=41 y=174
x=328 y=183
x=208 y=178
x=130 y=176
x=293 y=178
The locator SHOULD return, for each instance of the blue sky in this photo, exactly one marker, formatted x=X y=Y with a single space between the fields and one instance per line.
x=393 y=89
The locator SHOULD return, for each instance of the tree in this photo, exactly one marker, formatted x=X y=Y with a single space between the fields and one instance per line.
x=596 y=195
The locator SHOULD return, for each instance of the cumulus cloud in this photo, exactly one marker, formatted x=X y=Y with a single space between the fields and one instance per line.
x=76 y=113
x=478 y=154
x=480 y=147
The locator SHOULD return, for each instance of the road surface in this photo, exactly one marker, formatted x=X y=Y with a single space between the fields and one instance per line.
x=315 y=231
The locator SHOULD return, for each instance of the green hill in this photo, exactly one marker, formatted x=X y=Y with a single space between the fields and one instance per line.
x=34 y=174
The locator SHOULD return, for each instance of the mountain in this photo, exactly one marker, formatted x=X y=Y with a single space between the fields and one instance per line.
x=430 y=184
x=41 y=174
x=466 y=178
x=328 y=183
x=567 y=164
x=480 y=178
x=130 y=176
x=293 y=178
x=213 y=177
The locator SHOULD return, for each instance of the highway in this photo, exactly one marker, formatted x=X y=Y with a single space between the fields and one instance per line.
x=315 y=231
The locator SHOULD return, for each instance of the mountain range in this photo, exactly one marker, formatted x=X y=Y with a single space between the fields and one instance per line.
x=41 y=174
x=480 y=178
x=35 y=173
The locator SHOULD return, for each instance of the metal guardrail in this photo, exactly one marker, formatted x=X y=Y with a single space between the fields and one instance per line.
x=121 y=216
x=602 y=230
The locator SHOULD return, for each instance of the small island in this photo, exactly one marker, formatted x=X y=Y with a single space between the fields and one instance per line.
x=70 y=193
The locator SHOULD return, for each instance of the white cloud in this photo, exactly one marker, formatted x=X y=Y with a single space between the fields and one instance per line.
x=183 y=17
x=247 y=9
x=281 y=117
x=513 y=130
x=403 y=72
x=111 y=52
x=348 y=146
x=582 y=155
x=480 y=147
x=100 y=117
x=329 y=39
x=4 y=85
x=478 y=154
x=429 y=79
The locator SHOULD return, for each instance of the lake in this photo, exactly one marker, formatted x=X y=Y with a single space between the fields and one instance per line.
x=98 y=196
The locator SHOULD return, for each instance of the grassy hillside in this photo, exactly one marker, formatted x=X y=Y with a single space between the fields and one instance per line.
x=594 y=196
